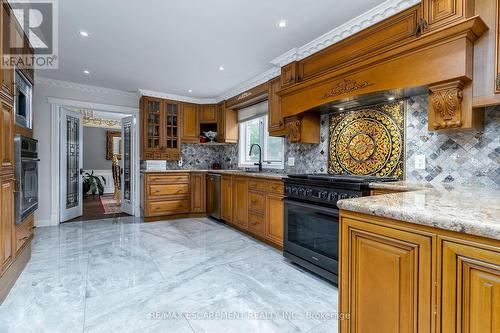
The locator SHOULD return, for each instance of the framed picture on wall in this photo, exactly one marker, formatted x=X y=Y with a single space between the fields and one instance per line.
x=113 y=145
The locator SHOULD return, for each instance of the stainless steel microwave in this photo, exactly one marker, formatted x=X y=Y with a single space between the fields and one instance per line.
x=23 y=100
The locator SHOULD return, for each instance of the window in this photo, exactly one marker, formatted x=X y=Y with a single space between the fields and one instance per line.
x=254 y=131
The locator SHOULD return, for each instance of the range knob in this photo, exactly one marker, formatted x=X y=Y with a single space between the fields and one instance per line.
x=302 y=191
x=287 y=189
x=332 y=196
x=344 y=196
x=309 y=192
x=295 y=190
x=323 y=195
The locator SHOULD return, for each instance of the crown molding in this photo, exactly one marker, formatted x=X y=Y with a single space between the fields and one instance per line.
x=84 y=87
x=363 y=21
x=253 y=82
x=180 y=98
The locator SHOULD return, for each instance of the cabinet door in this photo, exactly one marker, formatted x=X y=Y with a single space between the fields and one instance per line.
x=470 y=288
x=276 y=123
x=151 y=125
x=221 y=122
x=6 y=224
x=439 y=13
x=208 y=113
x=198 y=193
x=275 y=218
x=170 y=130
x=7 y=75
x=7 y=136
x=385 y=278
x=189 y=123
x=240 y=202
x=226 y=198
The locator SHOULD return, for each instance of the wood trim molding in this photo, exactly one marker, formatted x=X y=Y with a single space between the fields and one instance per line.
x=445 y=105
x=84 y=87
x=363 y=21
x=250 y=96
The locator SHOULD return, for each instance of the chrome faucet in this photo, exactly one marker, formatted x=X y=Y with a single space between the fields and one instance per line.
x=260 y=155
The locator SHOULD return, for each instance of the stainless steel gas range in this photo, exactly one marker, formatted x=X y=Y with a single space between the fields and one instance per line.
x=312 y=218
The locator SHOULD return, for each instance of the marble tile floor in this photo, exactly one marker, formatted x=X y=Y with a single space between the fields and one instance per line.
x=186 y=275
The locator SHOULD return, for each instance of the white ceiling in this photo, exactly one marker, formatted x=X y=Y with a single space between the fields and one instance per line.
x=176 y=45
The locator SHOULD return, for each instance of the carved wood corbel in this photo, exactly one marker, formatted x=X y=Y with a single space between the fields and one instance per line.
x=445 y=105
x=293 y=125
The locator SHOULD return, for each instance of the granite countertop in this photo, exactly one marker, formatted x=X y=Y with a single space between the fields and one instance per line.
x=467 y=209
x=264 y=174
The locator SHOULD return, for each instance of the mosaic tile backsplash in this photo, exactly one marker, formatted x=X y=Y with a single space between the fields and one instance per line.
x=462 y=158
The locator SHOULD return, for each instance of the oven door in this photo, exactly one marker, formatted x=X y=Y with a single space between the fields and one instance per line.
x=28 y=186
x=312 y=233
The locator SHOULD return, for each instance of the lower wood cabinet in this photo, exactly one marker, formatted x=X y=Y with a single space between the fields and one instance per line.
x=275 y=217
x=198 y=192
x=6 y=223
x=399 y=277
x=24 y=233
x=470 y=284
x=166 y=194
x=239 y=202
x=226 y=190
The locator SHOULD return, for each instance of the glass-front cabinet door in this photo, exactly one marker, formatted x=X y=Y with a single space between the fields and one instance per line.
x=171 y=128
x=153 y=124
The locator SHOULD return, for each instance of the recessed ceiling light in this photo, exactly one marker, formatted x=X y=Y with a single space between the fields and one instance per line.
x=391 y=98
x=221 y=68
x=190 y=91
x=83 y=33
x=86 y=72
x=341 y=109
x=282 y=23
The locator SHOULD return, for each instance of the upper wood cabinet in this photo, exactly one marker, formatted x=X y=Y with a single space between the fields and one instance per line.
x=160 y=132
x=289 y=74
x=208 y=113
x=227 y=124
x=189 y=122
x=276 y=123
x=439 y=13
x=7 y=75
x=6 y=137
x=470 y=288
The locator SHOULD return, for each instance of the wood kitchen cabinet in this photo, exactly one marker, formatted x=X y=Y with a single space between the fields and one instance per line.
x=276 y=123
x=7 y=75
x=439 y=13
x=240 y=202
x=274 y=226
x=227 y=124
x=198 y=192
x=160 y=129
x=189 y=123
x=6 y=223
x=226 y=186
x=6 y=137
x=401 y=277
x=208 y=113
x=166 y=194
x=470 y=287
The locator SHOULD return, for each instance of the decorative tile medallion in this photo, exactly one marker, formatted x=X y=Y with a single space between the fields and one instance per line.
x=368 y=141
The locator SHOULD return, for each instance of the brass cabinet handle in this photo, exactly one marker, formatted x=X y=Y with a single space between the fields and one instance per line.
x=24 y=238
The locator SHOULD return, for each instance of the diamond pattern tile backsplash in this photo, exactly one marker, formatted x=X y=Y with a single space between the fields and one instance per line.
x=462 y=158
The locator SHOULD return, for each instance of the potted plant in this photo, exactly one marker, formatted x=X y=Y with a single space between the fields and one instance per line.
x=93 y=183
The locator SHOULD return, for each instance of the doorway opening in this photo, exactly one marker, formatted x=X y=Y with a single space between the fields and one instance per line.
x=96 y=164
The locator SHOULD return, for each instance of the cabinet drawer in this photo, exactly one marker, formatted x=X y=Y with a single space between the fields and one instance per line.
x=275 y=187
x=24 y=233
x=156 y=190
x=256 y=201
x=256 y=223
x=257 y=185
x=168 y=178
x=158 y=208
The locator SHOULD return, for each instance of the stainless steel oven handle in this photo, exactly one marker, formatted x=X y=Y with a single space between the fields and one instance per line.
x=319 y=209
x=29 y=159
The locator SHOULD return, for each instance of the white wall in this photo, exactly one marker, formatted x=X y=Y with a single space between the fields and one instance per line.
x=42 y=127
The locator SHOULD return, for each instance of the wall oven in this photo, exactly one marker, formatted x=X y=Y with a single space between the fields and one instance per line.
x=26 y=188
x=23 y=100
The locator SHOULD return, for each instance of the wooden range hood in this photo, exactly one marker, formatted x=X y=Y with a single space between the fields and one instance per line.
x=396 y=54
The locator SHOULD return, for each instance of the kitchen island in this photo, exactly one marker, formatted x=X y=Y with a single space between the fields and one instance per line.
x=421 y=258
